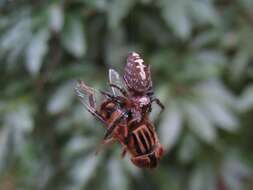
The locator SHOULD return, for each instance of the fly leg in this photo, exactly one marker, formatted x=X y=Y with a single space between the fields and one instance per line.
x=111 y=128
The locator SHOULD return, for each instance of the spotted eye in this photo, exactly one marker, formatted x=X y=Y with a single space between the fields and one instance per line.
x=137 y=74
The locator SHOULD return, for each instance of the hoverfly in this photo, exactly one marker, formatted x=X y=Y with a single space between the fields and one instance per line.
x=117 y=112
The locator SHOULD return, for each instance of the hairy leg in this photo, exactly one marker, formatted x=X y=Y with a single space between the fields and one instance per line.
x=159 y=103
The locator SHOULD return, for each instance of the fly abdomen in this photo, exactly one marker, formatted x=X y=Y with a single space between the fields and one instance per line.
x=142 y=138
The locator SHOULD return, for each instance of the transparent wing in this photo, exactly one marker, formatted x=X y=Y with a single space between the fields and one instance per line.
x=115 y=79
x=87 y=96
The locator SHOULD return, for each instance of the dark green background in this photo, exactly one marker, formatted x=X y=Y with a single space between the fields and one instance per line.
x=201 y=55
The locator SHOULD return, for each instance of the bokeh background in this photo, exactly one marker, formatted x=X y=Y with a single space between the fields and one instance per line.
x=201 y=55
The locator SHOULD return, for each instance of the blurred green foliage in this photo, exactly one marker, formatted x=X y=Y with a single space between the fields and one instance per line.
x=200 y=52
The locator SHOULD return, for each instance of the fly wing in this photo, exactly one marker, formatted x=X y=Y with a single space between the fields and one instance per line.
x=86 y=95
x=115 y=79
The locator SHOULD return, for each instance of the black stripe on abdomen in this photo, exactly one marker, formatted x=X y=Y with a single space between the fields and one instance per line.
x=148 y=137
x=152 y=134
x=143 y=141
x=136 y=144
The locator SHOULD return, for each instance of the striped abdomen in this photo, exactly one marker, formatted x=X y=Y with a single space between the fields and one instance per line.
x=143 y=140
x=145 y=147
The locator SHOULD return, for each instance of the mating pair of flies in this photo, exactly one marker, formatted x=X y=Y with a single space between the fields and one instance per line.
x=125 y=111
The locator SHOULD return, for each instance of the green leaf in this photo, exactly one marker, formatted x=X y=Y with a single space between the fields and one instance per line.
x=245 y=101
x=115 y=49
x=21 y=118
x=199 y=123
x=117 y=10
x=98 y=4
x=183 y=15
x=56 y=17
x=15 y=34
x=36 y=51
x=240 y=63
x=118 y=179
x=61 y=99
x=203 y=12
x=171 y=126
x=189 y=149
x=4 y=149
x=14 y=41
x=234 y=171
x=76 y=145
x=205 y=38
x=83 y=170
x=247 y=5
x=130 y=168
x=203 y=177
x=74 y=36
x=221 y=116
x=175 y=14
x=215 y=90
